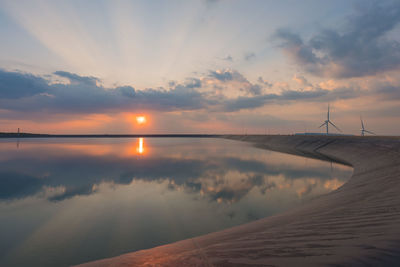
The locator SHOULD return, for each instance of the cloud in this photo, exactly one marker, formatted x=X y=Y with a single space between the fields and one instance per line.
x=363 y=47
x=294 y=46
x=227 y=75
x=389 y=92
x=127 y=91
x=193 y=83
x=316 y=94
x=255 y=89
x=249 y=56
x=299 y=95
x=244 y=102
x=15 y=85
x=228 y=58
x=220 y=90
x=26 y=92
x=230 y=77
x=301 y=80
x=223 y=76
x=74 y=78
x=264 y=82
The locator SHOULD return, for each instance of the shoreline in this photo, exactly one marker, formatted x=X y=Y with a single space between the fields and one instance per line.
x=357 y=224
x=31 y=135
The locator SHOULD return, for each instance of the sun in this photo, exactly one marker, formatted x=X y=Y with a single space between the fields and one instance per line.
x=141 y=120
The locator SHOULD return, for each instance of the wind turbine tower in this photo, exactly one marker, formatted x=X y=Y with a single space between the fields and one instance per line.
x=327 y=122
x=363 y=131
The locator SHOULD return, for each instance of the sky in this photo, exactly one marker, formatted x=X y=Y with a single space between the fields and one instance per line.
x=201 y=66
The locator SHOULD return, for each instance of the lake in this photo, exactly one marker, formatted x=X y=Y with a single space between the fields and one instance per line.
x=69 y=201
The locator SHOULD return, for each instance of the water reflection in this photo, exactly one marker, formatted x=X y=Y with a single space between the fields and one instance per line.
x=140 y=148
x=68 y=201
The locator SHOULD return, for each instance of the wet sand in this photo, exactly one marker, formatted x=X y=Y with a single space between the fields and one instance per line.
x=356 y=225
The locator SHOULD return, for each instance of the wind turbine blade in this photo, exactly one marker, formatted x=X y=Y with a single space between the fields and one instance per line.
x=322 y=125
x=335 y=126
x=369 y=132
x=362 y=123
x=328 y=112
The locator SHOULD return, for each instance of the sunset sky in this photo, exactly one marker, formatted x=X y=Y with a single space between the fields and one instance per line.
x=216 y=66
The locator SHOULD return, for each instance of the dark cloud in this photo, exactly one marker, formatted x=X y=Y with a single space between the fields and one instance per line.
x=229 y=75
x=74 y=78
x=247 y=120
x=299 y=95
x=388 y=92
x=192 y=83
x=244 y=102
x=222 y=76
x=252 y=89
x=345 y=93
x=264 y=82
x=361 y=48
x=127 y=91
x=15 y=85
x=255 y=89
x=295 y=47
x=26 y=92
x=315 y=95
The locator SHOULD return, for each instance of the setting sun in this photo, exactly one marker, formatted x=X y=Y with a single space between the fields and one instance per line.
x=141 y=119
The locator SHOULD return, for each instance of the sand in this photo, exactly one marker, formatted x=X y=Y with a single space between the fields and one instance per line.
x=356 y=225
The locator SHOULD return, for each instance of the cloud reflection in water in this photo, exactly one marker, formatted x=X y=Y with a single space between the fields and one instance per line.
x=79 y=168
x=68 y=201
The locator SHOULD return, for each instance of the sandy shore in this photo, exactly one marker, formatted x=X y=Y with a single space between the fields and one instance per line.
x=355 y=225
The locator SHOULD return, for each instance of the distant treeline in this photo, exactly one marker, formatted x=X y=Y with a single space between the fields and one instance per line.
x=12 y=135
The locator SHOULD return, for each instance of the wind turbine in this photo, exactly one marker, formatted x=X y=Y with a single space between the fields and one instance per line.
x=327 y=122
x=363 y=131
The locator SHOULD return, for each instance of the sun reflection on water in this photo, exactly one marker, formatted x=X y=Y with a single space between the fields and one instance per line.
x=140 y=148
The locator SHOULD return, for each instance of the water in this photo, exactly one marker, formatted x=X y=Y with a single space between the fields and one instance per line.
x=69 y=201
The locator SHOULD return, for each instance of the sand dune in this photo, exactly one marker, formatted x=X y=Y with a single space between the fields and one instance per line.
x=355 y=225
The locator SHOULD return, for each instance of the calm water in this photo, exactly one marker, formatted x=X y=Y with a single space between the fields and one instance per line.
x=68 y=201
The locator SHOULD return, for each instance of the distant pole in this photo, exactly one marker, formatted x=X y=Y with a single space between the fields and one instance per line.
x=18 y=139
